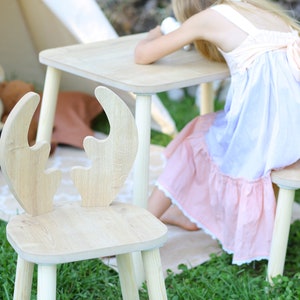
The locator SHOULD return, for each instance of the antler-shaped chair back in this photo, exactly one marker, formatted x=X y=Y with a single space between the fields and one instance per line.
x=24 y=166
x=111 y=158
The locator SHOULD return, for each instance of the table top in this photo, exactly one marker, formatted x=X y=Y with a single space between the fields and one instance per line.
x=111 y=62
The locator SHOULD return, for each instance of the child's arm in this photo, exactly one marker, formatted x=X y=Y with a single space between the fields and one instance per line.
x=156 y=45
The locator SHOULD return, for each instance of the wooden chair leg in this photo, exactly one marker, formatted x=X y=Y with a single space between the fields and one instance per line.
x=207 y=98
x=280 y=233
x=46 y=282
x=23 y=280
x=138 y=268
x=127 y=277
x=154 y=275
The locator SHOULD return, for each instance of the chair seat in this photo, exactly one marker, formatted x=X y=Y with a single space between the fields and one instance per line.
x=288 y=177
x=60 y=236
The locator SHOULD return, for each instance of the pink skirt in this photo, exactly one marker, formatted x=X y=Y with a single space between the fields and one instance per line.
x=238 y=212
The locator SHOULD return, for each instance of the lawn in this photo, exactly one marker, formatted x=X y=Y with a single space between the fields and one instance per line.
x=215 y=279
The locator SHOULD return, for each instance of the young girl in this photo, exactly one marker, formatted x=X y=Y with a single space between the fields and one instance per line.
x=217 y=175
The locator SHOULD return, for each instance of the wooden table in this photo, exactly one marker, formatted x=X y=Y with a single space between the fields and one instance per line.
x=111 y=63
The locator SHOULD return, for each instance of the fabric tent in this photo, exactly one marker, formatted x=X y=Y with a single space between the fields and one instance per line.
x=29 y=26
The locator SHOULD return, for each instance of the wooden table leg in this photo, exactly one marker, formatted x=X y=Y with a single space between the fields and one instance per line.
x=207 y=98
x=48 y=106
x=141 y=168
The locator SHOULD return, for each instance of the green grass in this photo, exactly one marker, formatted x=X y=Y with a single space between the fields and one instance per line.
x=215 y=279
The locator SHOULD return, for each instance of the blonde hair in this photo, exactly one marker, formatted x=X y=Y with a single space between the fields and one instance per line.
x=184 y=9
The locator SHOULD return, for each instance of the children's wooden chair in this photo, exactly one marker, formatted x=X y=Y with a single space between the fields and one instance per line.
x=95 y=227
x=288 y=181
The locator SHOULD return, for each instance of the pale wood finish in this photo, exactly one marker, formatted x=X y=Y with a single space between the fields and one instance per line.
x=71 y=231
x=111 y=158
x=17 y=159
x=288 y=181
x=23 y=280
x=127 y=281
x=46 y=282
x=207 y=98
x=141 y=167
x=288 y=177
x=111 y=62
x=47 y=113
x=154 y=277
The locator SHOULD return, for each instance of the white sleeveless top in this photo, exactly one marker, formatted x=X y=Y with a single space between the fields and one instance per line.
x=258 y=41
